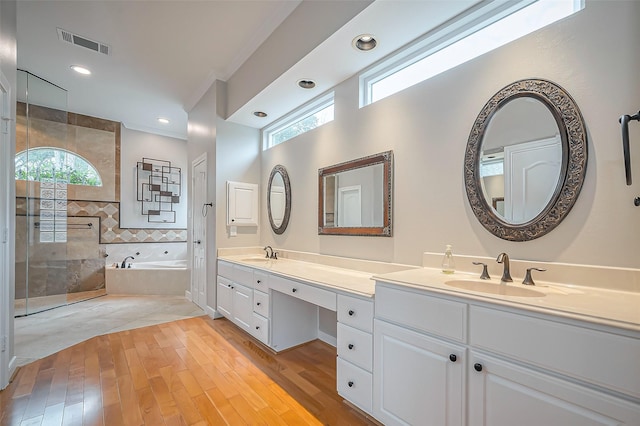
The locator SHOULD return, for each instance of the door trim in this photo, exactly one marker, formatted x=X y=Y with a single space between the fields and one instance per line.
x=195 y=210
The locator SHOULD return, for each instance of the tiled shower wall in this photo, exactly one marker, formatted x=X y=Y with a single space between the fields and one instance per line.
x=78 y=264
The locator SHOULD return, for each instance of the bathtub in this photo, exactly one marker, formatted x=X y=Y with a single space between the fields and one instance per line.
x=166 y=277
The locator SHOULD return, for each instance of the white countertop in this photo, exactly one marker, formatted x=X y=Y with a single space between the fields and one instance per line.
x=348 y=280
x=600 y=306
x=596 y=305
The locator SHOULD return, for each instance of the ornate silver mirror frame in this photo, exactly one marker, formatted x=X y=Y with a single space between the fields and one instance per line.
x=574 y=160
x=282 y=226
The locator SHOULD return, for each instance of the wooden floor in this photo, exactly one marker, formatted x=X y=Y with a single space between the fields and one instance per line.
x=190 y=372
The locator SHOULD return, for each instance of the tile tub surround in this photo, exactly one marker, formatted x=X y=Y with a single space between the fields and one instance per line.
x=151 y=281
x=45 y=333
x=146 y=252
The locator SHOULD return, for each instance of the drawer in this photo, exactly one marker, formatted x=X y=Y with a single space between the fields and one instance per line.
x=243 y=275
x=261 y=303
x=260 y=328
x=355 y=346
x=308 y=293
x=356 y=312
x=355 y=385
x=225 y=269
x=605 y=359
x=261 y=281
x=422 y=312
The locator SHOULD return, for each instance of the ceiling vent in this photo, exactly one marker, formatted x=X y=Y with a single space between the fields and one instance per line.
x=75 y=39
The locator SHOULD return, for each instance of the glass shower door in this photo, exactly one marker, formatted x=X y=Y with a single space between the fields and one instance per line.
x=42 y=277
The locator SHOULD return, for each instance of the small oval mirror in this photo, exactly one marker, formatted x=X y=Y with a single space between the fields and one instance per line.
x=279 y=199
x=525 y=160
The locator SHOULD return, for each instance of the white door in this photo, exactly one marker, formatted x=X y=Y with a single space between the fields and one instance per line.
x=350 y=206
x=505 y=394
x=201 y=213
x=5 y=261
x=417 y=380
x=531 y=172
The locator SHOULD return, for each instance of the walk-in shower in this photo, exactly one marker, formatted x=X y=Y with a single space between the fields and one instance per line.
x=58 y=255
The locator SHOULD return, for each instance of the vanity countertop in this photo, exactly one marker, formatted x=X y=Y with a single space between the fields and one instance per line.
x=600 y=306
x=348 y=280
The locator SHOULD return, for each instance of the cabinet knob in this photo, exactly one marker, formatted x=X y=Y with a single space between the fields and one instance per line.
x=258 y=303
x=258 y=281
x=257 y=327
x=453 y=358
x=294 y=290
x=350 y=345
x=351 y=312
x=350 y=384
x=477 y=366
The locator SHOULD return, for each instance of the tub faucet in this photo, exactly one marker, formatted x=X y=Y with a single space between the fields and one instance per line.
x=269 y=251
x=504 y=259
x=124 y=262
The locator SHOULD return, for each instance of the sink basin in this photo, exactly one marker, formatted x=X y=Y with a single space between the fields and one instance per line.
x=493 y=288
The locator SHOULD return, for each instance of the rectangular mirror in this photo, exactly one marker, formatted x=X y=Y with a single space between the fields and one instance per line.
x=355 y=197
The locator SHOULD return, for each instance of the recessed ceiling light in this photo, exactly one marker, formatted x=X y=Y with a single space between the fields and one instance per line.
x=306 y=84
x=364 y=42
x=260 y=114
x=163 y=120
x=80 y=70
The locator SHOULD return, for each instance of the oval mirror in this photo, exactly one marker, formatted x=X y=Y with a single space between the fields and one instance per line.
x=525 y=160
x=279 y=199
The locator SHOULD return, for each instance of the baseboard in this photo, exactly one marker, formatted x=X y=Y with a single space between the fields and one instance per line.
x=12 y=367
x=187 y=295
x=212 y=312
x=327 y=338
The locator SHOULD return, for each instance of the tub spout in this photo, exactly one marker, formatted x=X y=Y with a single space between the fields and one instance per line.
x=124 y=262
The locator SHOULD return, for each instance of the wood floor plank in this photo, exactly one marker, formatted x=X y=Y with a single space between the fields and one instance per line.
x=190 y=372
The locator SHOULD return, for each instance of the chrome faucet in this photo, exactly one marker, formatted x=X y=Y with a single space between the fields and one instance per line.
x=506 y=275
x=124 y=262
x=269 y=251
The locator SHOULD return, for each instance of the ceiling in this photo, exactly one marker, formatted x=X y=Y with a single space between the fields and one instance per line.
x=165 y=54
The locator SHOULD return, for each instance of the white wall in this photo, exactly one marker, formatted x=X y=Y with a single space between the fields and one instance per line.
x=134 y=145
x=7 y=191
x=593 y=55
x=237 y=160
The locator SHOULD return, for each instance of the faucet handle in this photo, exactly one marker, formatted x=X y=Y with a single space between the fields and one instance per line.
x=275 y=255
x=528 y=280
x=485 y=273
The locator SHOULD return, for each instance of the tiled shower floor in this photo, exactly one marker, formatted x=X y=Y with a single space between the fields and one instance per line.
x=48 y=332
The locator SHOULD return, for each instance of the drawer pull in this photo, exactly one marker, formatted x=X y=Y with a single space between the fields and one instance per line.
x=257 y=327
x=294 y=289
x=258 y=304
x=453 y=358
x=258 y=281
x=350 y=384
x=477 y=367
x=351 y=312
x=350 y=345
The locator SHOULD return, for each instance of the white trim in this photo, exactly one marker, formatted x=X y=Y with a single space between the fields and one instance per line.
x=7 y=237
x=327 y=338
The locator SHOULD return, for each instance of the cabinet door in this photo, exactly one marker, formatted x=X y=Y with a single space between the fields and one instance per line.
x=505 y=394
x=417 y=380
x=225 y=297
x=243 y=306
x=242 y=204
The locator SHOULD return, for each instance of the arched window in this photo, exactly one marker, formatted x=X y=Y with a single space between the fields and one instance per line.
x=37 y=164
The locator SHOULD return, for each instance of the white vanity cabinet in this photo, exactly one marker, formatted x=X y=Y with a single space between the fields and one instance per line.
x=438 y=357
x=260 y=324
x=235 y=294
x=418 y=378
x=355 y=350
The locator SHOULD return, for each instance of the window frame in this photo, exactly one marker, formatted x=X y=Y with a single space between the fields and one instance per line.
x=476 y=18
x=297 y=115
x=25 y=154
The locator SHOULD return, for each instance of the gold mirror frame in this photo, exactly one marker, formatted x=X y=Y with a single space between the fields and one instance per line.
x=384 y=158
x=278 y=169
x=574 y=160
